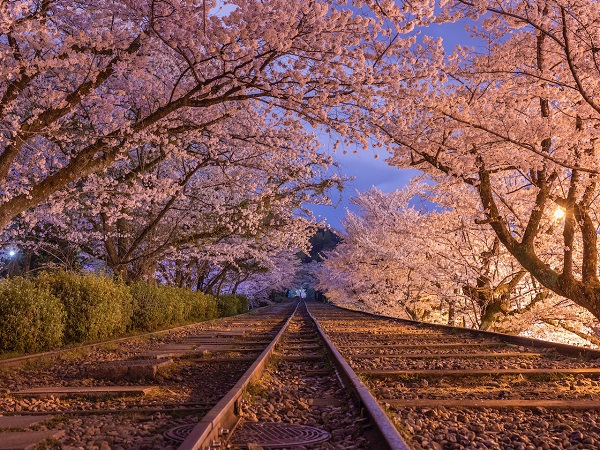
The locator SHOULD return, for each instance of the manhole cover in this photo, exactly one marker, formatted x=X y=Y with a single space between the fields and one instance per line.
x=277 y=435
x=178 y=434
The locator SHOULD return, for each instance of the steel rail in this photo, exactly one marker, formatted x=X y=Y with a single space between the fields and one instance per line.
x=223 y=417
x=385 y=435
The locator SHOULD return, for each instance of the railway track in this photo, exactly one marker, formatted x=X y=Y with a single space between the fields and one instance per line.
x=452 y=388
x=297 y=395
x=171 y=392
x=318 y=378
x=126 y=394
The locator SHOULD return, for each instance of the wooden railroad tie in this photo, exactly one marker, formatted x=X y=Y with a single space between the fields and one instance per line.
x=194 y=342
x=496 y=404
x=400 y=339
x=391 y=334
x=469 y=372
x=223 y=359
x=27 y=439
x=432 y=345
x=85 y=391
x=300 y=358
x=445 y=355
x=303 y=347
x=226 y=349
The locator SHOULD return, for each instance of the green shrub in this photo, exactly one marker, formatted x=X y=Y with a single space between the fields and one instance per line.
x=32 y=319
x=243 y=303
x=278 y=298
x=232 y=304
x=198 y=306
x=177 y=307
x=211 y=310
x=152 y=306
x=65 y=307
x=158 y=306
x=97 y=307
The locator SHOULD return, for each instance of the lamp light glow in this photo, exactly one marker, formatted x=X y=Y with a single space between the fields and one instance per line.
x=559 y=213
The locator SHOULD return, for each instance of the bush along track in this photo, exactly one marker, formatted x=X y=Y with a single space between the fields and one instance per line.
x=64 y=308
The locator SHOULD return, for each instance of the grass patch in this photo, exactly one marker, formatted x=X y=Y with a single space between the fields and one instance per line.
x=273 y=362
x=42 y=362
x=257 y=389
x=168 y=371
x=53 y=421
x=49 y=444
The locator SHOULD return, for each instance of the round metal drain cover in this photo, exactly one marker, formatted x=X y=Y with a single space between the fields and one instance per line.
x=277 y=435
x=178 y=434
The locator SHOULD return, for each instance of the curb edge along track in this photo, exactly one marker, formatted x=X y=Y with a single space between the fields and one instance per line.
x=222 y=418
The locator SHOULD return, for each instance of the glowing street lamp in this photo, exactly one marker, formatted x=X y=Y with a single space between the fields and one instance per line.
x=559 y=213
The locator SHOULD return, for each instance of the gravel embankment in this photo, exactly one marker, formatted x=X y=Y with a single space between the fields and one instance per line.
x=453 y=428
x=519 y=429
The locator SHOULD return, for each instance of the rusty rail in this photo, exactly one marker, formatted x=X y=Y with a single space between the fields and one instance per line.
x=222 y=418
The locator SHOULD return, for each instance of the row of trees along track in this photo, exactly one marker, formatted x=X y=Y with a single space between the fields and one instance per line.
x=435 y=266
x=136 y=113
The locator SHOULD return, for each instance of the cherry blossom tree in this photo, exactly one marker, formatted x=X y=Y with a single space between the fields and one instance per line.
x=243 y=183
x=428 y=265
x=277 y=272
x=84 y=85
x=558 y=319
x=377 y=263
x=164 y=138
x=518 y=122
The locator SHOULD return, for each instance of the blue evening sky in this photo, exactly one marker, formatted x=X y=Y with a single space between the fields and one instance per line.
x=363 y=167
x=368 y=171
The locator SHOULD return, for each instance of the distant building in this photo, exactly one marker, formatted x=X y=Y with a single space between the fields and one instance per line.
x=297 y=293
